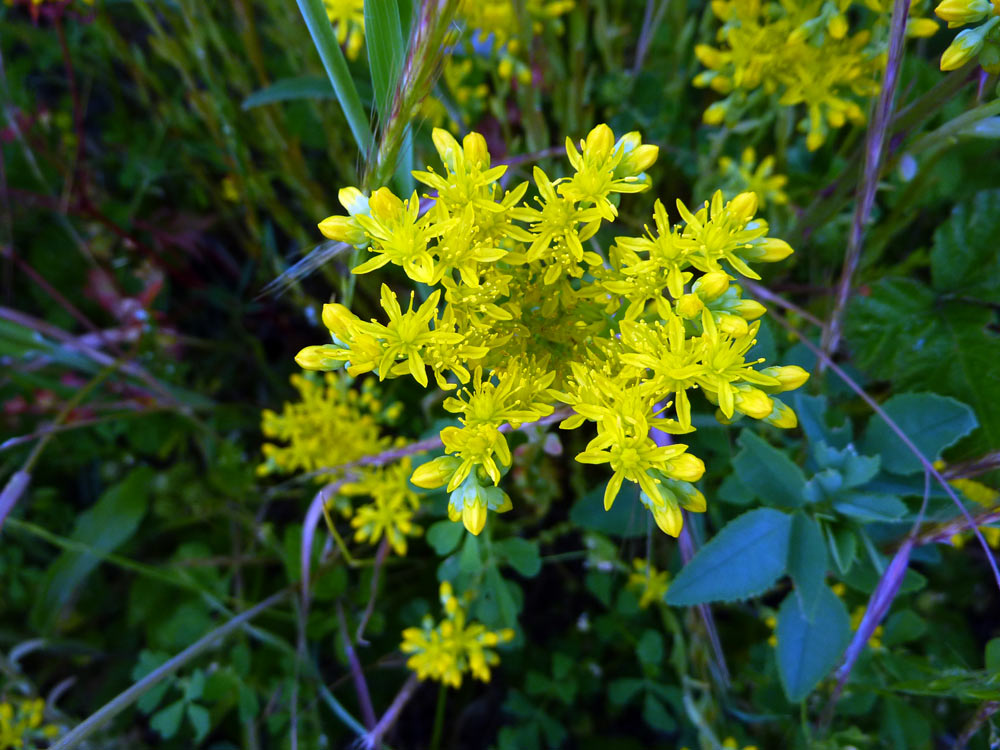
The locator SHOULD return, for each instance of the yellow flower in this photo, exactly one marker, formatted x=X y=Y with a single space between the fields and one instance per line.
x=348 y=19
x=527 y=305
x=651 y=584
x=392 y=507
x=22 y=724
x=748 y=175
x=451 y=648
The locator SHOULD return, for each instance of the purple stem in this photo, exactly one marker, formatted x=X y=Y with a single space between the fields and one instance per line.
x=357 y=674
x=389 y=718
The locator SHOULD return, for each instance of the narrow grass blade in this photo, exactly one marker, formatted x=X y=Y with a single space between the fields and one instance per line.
x=336 y=68
x=386 y=50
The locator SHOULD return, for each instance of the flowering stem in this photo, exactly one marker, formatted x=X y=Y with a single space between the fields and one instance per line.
x=389 y=718
x=360 y=684
x=874 y=153
x=439 y=717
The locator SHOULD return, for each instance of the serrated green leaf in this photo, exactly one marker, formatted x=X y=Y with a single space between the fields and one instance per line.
x=808 y=649
x=964 y=259
x=744 y=559
x=770 y=474
x=813 y=412
x=444 y=536
x=932 y=422
x=807 y=561
x=386 y=50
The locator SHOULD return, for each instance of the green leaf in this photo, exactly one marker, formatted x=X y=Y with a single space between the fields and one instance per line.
x=656 y=715
x=807 y=561
x=321 y=31
x=855 y=470
x=286 y=89
x=993 y=656
x=168 y=721
x=471 y=559
x=812 y=412
x=964 y=259
x=843 y=545
x=521 y=554
x=623 y=690
x=650 y=648
x=809 y=649
x=902 y=332
x=626 y=519
x=444 y=536
x=930 y=421
x=104 y=527
x=386 y=50
x=200 y=720
x=744 y=559
x=770 y=474
x=870 y=506
x=505 y=602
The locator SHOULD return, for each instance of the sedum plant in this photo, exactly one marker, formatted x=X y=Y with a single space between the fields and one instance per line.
x=526 y=312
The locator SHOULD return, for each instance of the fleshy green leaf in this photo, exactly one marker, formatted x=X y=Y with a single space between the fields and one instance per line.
x=770 y=474
x=168 y=721
x=843 y=545
x=870 y=506
x=744 y=559
x=931 y=421
x=809 y=649
x=807 y=561
x=200 y=720
x=650 y=648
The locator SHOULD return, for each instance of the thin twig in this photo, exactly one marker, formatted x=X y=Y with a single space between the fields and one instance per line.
x=371 y=740
x=383 y=552
x=986 y=710
x=874 y=152
x=357 y=673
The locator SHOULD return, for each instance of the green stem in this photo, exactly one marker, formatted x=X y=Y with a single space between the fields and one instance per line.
x=126 y=698
x=439 y=717
x=335 y=65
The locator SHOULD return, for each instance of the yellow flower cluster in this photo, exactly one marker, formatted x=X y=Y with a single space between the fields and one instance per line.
x=802 y=52
x=22 y=725
x=983 y=41
x=527 y=312
x=651 y=584
x=348 y=19
x=747 y=175
x=334 y=424
x=446 y=651
x=330 y=424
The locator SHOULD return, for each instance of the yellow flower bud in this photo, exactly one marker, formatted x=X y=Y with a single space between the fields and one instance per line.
x=772 y=250
x=669 y=519
x=921 y=28
x=782 y=416
x=749 y=309
x=339 y=320
x=353 y=200
x=790 y=376
x=754 y=403
x=689 y=306
x=744 y=205
x=384 y=204
x=733 y=325
x=474 y=146
x=317 y=358
x=694 y=502
x=712 y=285
x=474 y=515
x=963 y=12
x=599 y=143
x=837 y=27
x=715 y=114
x=708 y=56
x=435 y=473
x=686 y=467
